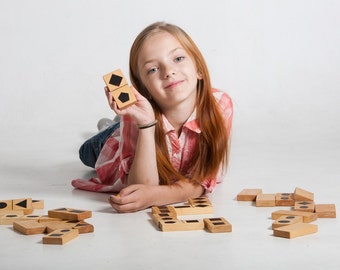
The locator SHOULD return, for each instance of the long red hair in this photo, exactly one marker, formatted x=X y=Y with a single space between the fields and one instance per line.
x=213 y=144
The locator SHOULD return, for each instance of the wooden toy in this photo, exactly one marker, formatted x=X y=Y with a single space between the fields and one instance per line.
x=38 y=204
x=284 y=199
x=295 y=230
x=70 y=214
x=180 y=225
x=303 y=195
x=119 y=88
x=325 y=210
x=265 y=200
x=159 y=217
x=6 y=205
x=60 y=237
x=29 y=227
x=217 y=225
x=286 y=220
x=248 y=194
x=304 y=206
x=166 y=209
x=8 y=219
x=306 y=216
x=24 y=204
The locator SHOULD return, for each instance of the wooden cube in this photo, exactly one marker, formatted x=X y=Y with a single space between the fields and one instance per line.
x=248 y=194
x=217 y=225
x=60 y=237
x=6 y=205
x=295 y=230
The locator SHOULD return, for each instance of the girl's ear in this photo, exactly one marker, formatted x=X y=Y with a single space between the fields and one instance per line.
x=199 y=75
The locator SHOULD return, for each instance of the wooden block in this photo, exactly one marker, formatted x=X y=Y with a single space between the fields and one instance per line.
x=24 y=204
x=306 y=216
x=70 y=213
x=248 y=194
x=167 y=209
x=159 y=217
x=181 y=225
x=284 y=199
x=124 y=97
x=217 y=225
x=304 y=206
x=200 y=201
x=303 y=195
x=6 y=205
x=60 y=237
x=325 y=210
x=84 y=227
x=46 y=218
x=265 y=200
x=119 y=88
x=183 y=210
x=286 y=220
x=9 y=219
x=60 y=225
x=29 y=227
x=38 y=204
x=295 y=230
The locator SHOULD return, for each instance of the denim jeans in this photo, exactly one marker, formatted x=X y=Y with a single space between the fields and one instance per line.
x=90 y=149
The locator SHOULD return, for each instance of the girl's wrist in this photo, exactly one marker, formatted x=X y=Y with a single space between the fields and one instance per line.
x=147 y=125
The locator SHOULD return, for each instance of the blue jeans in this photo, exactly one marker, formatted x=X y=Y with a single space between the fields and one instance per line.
x=90 y=149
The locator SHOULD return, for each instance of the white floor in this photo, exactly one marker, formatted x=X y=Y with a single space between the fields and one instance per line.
x=131 y=241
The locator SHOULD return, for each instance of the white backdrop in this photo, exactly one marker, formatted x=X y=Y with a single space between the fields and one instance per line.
x=278 y=60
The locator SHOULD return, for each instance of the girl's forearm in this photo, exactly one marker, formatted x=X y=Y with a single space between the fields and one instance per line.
x=144 y=166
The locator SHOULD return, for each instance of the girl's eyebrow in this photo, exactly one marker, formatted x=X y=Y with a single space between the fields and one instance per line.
x=154 y=60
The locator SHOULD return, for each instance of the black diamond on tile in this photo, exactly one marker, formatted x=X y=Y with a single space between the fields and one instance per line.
x=115 y=80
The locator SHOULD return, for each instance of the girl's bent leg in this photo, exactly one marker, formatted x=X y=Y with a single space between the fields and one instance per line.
x=90 y=149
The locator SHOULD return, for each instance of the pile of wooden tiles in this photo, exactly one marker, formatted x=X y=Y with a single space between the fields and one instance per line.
x=166 y=217
x=60 y=225
x=295 y=222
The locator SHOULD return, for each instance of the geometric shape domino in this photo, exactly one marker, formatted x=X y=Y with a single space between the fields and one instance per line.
x=60 y=237
x=286 y=220
x=29 y=227
x=265 y=200
x=325 y=210
x=304 y=206
x=303 y=195
x=284 y=199
x=295 y=230
x=70 y=214
x=248 y=194
x=217 y=225
x=306 y=216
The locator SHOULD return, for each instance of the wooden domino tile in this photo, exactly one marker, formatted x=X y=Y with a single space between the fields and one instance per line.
x=248 y=194
x=200 y=201
x=38 y=204
x=8 y=219
x=286 y=220
x=24 y=204
x=305 y=206
x=156 y=218
x=265 y=200
x=306 y=216
x=6 y=205
x=60 y=225
x=284 y=199
x=325 y=210
x=29 y=227
x=60 y=237
x=295 y=230
x=70 y=214
x=167 y=209
x=303 y=195
x=181 y=225
x=119 y=89
x=217 y=225
x=84 y=227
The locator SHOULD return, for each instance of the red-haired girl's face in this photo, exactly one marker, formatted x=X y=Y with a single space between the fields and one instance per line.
x=167 y=71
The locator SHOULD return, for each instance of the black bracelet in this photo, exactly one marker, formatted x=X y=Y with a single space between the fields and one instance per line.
x=147 y=125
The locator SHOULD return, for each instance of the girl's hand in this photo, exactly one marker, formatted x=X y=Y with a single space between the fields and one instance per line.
x=141 y=111
x=133 y=198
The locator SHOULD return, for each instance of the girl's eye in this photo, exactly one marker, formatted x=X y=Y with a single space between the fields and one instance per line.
x=152 y=70
x=179 y=59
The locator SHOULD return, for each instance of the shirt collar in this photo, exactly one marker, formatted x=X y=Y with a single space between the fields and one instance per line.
x=190 y=124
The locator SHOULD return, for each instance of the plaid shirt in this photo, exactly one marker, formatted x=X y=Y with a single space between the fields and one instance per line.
x=116 y=157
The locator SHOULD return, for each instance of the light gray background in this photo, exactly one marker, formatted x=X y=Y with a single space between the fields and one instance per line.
x=278 y=60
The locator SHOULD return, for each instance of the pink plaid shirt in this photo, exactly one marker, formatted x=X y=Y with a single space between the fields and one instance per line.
x=116 y=157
